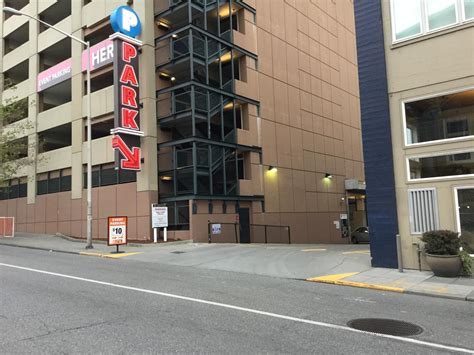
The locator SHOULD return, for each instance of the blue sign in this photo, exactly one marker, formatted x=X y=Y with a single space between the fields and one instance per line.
x=125 y=20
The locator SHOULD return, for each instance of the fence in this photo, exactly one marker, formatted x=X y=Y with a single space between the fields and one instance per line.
x=259 y=233
x=7 y=227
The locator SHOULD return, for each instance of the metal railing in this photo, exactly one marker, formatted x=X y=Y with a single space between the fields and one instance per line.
x=230 y=232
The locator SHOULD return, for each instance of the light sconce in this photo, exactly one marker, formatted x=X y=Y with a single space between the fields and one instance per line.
x=272 y=168
x=166 y=178
x=328 y=176
x=162 y=25
x=174 y=36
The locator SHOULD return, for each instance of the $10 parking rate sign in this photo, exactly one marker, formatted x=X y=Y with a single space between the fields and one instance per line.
x=117 y=231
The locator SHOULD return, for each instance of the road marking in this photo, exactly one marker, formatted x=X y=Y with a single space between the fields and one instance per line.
x=109 y=255
x=314 y=250
x=248 y=310
x=357 y=252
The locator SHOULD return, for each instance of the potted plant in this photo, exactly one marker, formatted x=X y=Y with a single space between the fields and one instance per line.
x=442 y=248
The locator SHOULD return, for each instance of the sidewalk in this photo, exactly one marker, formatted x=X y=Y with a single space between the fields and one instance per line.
x=345 y=265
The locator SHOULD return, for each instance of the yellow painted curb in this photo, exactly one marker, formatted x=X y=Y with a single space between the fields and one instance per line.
x=331 y=278
x=338 y=279
x=120 y=255
x=109 y=256
x=314 y=250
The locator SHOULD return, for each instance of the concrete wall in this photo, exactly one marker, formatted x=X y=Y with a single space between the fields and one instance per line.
x=310 y=120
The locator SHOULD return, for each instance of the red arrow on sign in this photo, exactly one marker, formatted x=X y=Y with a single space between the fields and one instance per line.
x=132 y=157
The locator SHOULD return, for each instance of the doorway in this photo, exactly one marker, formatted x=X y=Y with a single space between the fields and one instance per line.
x=465 y=216
x=244 y=225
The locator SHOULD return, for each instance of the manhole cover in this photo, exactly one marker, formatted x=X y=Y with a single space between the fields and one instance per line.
x=178 y=252
x=385 y=326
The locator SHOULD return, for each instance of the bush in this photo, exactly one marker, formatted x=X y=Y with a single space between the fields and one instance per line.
x=441 y=242
x=466 y=263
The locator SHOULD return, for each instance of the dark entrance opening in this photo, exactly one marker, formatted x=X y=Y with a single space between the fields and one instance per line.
x=244 y=225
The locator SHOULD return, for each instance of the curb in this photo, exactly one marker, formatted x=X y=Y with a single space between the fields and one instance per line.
x=377 y=287
x=360 y=285
x=43 y=249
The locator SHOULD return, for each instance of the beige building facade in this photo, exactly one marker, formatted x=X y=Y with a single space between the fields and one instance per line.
x=429 y=54
x=250 y=113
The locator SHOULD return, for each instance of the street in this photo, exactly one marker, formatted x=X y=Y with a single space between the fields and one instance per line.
x=62 y=303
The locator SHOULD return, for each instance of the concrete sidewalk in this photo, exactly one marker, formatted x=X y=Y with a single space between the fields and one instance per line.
x=345 y=265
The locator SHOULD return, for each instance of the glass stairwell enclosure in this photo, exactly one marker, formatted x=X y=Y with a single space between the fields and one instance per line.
x=198 y=112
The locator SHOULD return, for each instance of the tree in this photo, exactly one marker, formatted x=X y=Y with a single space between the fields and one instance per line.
x=13 y=150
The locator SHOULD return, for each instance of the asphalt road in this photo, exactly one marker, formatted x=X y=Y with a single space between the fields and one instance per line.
x=62 y=303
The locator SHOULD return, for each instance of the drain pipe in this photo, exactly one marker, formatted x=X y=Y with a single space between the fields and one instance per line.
x=399 y=253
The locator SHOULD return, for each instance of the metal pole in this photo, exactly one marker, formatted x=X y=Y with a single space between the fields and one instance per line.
x=209 y=232
x=155 y=235
x=399 y=253
x=89 y=152
x=266 y=234
x=165 y=234
x=289 y=235
x=236 y=236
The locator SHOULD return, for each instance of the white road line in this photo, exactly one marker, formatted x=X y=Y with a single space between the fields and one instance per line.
x=249 y=310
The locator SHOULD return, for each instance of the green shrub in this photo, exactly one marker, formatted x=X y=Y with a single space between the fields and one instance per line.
x=466 y=263
x=441 y=242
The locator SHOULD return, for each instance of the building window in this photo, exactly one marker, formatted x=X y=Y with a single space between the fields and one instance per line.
x=53 y=181
x=406 y=18
x=423 y=209
x=441 y=166
x=437 y=118
x=412 y=18
x=106 y=174
x=14 y=188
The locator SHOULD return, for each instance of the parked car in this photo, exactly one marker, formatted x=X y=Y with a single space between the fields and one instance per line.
x=359 y=235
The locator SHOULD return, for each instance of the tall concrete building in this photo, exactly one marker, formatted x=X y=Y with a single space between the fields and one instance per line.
x=416 y=69
x=250 y=114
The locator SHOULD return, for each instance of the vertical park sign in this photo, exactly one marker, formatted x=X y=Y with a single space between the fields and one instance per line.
x=126 y=133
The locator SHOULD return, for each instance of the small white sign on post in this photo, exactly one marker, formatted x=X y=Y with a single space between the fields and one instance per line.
x=216 y=228
x=159 y=219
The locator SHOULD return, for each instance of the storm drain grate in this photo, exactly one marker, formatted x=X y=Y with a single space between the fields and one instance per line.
x=385 y=326
x=178 y=252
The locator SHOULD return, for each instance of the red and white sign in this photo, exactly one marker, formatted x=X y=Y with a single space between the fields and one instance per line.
x=101 y=54
x=117 y=231
x=126 y=140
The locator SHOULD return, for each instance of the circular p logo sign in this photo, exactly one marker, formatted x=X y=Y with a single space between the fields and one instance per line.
x=125 y=20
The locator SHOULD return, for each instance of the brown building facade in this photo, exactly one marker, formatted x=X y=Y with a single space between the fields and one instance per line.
x=250 y=114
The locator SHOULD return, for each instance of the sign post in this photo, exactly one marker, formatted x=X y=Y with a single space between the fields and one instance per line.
x=159 y=219
x=117 y=231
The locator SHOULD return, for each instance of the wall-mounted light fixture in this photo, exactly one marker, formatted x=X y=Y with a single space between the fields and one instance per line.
x=174 y=35
x=166 y=76
x=162 y=25
x=272 y=168
x=328 y=176
x=166 y=178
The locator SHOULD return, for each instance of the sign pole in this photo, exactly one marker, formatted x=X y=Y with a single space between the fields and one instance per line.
x=155 y=235
x=165 y=234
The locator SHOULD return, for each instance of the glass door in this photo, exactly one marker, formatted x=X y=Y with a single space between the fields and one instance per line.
x=465 y=202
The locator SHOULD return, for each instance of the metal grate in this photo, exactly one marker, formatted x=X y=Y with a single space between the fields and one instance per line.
x=385 y=326
x=423 y=210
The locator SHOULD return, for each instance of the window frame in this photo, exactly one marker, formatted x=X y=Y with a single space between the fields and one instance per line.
x=460 y=20
x=437 y=154
x=425 y=97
